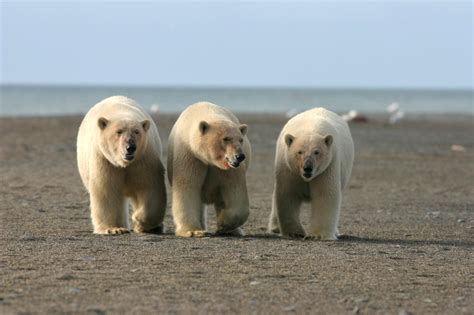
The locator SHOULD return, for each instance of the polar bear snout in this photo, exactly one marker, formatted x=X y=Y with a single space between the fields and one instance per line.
x=131 y=147
x=308 y=169
x=240 y=157
x=235 y=161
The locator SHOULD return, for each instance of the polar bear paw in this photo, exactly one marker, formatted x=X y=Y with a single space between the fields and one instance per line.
x=321 y=237
x=113 y=231
x=197 y=233
x=273 y=229
x=234 y=232
x=293 y=232
x=295 y=235
x=160 y=229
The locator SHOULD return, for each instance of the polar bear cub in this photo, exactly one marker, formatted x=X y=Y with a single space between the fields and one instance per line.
x=119 y=160
x=208 y=157
x=313 y=163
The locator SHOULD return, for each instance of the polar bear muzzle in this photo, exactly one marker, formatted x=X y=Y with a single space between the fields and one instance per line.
x=235 y=161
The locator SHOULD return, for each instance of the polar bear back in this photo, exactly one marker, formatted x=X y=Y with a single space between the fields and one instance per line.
x=322 y=122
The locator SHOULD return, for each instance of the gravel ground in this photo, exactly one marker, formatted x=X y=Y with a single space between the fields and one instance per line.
x=407 y=224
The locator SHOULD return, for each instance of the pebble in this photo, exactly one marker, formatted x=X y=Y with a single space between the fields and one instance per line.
x=458 y=148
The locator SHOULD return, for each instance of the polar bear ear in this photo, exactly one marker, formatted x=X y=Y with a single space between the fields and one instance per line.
x=328 y=140
x=203 y=127
x=102 y=122
x=289 y=139
x=243 y=129
x=146 y=125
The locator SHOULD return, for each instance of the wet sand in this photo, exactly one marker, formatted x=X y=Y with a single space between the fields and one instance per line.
x=407 y=223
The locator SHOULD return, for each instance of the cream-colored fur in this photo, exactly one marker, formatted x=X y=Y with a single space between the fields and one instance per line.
x=202 y=148
x=113 y=176
x=320 y=141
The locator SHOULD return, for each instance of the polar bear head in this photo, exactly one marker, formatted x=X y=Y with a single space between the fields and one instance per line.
x=309 y=155
x=122 y=141
x=221 y=143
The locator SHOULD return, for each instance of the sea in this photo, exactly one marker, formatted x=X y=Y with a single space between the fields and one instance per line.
x=30 y=100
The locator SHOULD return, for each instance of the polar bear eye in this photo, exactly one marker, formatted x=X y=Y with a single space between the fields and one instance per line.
x=241 y=140
x=226 y=139
x=137 y=132
x=119 y=132
x=300 y=152
x=316 y=152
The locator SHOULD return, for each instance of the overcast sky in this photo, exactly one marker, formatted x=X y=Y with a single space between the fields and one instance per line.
x=316 y=44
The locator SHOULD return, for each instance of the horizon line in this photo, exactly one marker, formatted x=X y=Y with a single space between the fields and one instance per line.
x=209 y=86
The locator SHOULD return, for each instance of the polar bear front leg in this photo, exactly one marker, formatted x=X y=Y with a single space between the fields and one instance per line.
x=325 y=208
x=273 y=225
x=234 y=211
x=187 y=210
x=108 y=211
x=287 y=206
x=149 y=209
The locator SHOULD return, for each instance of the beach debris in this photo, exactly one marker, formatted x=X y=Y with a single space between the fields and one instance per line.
x=458 y=148
x=461 y=220
x=354 y=116
x=292 y=112
x=66 y=277
x=434 y=214
x=154 y=108
x=254 y=282
x=396 y=114
x=404 y=312
x=289 y=308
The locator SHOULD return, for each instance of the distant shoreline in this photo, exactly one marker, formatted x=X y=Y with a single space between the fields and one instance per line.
x=40 y=100
x=238 y=87
x=380 y=117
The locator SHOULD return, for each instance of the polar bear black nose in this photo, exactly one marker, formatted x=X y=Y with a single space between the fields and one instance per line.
x=240 y=157
x=307 y=169
x=131 y=148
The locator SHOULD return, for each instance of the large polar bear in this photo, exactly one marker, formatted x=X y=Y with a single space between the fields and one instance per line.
x=208 y=157
x=313 y=163
x=119 y=158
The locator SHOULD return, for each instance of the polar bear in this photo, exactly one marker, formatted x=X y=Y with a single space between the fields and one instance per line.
x=208 y=157
x=313 y=163
x=119 y=159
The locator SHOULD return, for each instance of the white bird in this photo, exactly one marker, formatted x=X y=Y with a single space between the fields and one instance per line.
x=393 y=107
x=350 y=115
x=290 y=113
x=154 y=108
x=396 y=117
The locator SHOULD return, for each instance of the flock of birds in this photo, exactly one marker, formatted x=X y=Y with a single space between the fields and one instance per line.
x=395 y=113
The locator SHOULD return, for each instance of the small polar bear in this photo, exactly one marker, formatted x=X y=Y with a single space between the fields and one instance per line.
x=119 y=159
x=208 y=157
x=313 y=163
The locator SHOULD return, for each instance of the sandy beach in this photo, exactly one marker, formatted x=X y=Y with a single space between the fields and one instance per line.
x=407 y=223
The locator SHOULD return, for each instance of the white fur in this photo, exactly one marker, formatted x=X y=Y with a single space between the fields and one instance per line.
x=197 y=181
x=111 y=185
x=324 y=191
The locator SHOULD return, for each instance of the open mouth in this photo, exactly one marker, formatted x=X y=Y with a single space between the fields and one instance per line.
x=307 y=175
x=129 y=157
x=233 y=164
